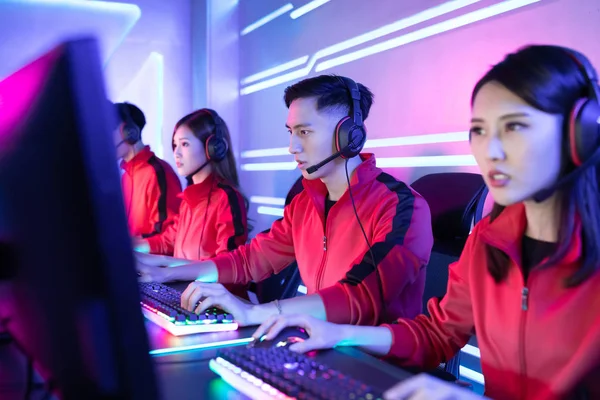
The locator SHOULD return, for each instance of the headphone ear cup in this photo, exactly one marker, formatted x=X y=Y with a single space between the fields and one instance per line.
x=583 y=130
x=216 y=148
x=349 y=138
x=130 y=133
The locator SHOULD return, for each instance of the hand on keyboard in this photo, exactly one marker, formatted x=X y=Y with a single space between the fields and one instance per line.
x=322 y=334
x=215 y=295
x=426 y=387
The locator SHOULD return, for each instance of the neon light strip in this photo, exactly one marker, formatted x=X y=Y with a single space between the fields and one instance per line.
x=298 y=12
x=449 y=25
x=365 y=37
x=275 y=70
x=279 y=151
x=471 y=350
x=202 y=346
x=274 y=166
x=274 y=201
x=426 y=161
x=278 y=212
x=447 y=137
x=472 y=375
x=383 y=162
x=302 y=289
x=267 y=18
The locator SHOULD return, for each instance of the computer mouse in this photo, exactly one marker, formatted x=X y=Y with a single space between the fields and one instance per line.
x=286 y=337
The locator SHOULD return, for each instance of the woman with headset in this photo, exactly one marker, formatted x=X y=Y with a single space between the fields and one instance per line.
x=528 y=280
x=213 y=213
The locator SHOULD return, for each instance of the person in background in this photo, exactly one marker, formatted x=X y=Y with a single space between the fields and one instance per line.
x=150 y=186
x=213 y=215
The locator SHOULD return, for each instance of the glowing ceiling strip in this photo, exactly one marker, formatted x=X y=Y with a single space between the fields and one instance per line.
x=300 y=11
x=267 y=18
x=463 y=160
x=424 y=33
x=446 y=137
x=403 y=23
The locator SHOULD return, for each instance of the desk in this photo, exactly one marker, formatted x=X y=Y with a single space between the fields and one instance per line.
x=183 y=373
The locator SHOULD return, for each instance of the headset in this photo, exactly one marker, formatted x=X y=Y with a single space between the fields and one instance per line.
x=582 y=127
x=215 y=145
x=130 y=132
x=350 y=133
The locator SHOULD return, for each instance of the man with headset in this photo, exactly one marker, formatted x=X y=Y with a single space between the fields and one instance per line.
x=360 y=237
x=150 y=186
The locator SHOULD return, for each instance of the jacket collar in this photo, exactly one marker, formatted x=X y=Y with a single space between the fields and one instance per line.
x=364 y=174
x=138 y=160
x=507 y=230
x=196 y=193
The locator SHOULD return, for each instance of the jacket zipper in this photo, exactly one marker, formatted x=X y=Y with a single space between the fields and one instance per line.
x=322 y=266
x=524 y=308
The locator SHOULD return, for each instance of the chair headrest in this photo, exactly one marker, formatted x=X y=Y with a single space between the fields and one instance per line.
x=452 y=199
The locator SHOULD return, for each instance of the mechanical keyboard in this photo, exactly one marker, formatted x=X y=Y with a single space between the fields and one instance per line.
x=162 y=305
x=274 y=372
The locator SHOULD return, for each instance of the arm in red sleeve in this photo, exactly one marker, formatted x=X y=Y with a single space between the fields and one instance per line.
x=268 y=253
x=401 y=245
x=164 y=243
x=232 y=225
x=427 y=341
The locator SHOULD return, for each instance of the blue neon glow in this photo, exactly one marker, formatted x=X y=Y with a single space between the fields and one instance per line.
x=201 y=346
x=446 y=137
x=273 y=201
x=278 y=212
x=403 y=23
x=275 y=70
x=300 y=11
x=451 y=24
x=267 y=18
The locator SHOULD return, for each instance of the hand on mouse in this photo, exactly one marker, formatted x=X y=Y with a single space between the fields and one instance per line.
x=215 y=295
x=322 y=334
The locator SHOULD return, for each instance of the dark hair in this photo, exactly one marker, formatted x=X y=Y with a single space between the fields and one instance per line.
x=202 y=125
x=137 y=116
x=331 y=92
x=549 y=79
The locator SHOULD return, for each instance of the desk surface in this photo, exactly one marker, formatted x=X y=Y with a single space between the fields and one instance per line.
x=182 y=363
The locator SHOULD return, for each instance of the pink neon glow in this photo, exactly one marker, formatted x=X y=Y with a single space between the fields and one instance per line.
x=18 y=94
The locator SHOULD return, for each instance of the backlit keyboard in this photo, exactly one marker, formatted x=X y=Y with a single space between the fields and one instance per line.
x=162 y=305
x=278 y=373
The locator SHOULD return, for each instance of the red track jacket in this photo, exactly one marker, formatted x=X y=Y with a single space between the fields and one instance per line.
x=333 y=258
x=150 y=189
x=540 y=341
x=212 y=219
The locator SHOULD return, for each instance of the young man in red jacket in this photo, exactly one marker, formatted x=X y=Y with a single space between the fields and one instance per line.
x=150 y=186
x=361 y=252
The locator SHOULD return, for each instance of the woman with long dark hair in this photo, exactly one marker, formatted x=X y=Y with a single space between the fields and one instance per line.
x=213 y=214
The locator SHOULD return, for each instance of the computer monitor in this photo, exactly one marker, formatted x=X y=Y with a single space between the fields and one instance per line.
x=68 y=288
